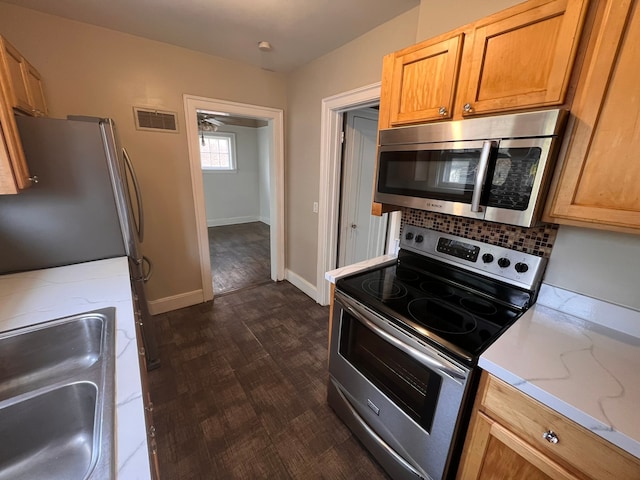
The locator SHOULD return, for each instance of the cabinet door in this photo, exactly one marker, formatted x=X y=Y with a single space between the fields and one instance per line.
x=598 y=183
x=523 y=60
x=15 y=85
x=423 y=81
x=35 y=90
x=492 y=452
x=14 y=173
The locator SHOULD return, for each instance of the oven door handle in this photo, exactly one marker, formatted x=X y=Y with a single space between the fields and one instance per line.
x=446 y=368
x=415 y=470
x=481 y=174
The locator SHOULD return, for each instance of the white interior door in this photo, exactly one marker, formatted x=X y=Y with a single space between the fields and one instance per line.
x=362 y=235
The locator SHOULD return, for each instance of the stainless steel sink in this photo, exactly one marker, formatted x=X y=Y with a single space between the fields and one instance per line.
x=57 y=394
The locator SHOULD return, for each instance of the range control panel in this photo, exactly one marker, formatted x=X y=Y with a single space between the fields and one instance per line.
x=497 y=262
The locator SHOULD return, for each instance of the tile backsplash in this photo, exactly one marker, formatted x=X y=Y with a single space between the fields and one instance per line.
x=536 y=240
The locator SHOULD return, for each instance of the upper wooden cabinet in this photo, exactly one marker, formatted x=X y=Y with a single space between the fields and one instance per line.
x=598 y=182
x=519 y=58
x=21 y=82
x=20 y=91
x=426 y=75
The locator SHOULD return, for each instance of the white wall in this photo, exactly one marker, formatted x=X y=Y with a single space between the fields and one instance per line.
x=353 y=65
x=597 y=263
x=264 y=187
x=232 y=197
x=94 y=71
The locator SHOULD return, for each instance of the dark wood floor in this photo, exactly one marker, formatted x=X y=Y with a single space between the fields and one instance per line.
x=241 y=392
x=240 y=256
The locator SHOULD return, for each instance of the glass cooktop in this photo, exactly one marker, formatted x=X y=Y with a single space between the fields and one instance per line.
x=448 y=307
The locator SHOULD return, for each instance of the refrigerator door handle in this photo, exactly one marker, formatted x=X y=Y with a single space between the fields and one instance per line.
x=146 y=275
x=136 y=186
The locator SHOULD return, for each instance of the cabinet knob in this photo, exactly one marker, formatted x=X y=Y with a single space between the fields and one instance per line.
x=34 y=179
x=442 y=111
x=550 y=436
x=467 y=108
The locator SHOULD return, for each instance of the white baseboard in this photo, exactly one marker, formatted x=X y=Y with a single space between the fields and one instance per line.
x=265 y=220
x=175 y=302
x=219 y=222
x=301 y=284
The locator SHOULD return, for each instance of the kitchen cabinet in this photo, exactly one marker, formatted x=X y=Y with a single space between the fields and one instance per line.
x=519 y=58
x=426 y=76
x=512 y=436
x=599 y=172
x=21 y=92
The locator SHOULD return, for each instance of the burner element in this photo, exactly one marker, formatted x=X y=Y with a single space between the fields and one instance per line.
x=384 y=289
x=406 y=275
x=438 y=316
x=436 y=288
x=479 y=306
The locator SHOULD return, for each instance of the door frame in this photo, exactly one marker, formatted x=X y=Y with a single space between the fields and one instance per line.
x=329 y=194
x=275 y=118
x=348 y=195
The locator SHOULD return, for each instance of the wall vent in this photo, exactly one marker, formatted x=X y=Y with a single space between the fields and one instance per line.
x=155 y=120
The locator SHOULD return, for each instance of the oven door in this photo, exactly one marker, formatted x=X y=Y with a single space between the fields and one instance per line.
x=401 y=397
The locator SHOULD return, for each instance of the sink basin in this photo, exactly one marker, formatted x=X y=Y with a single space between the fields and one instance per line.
x=49 y=435
x=57 y=397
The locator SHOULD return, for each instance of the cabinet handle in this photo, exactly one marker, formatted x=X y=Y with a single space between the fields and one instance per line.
x=467 y=108
x=34 y=179
x=550 y=436
x=442 y=111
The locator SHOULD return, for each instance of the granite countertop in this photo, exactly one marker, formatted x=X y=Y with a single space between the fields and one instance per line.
x=579 y=356
x=33 y=297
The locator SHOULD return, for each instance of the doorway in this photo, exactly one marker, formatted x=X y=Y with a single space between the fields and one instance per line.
x=333 y=110
x=361 y=236
x=275 y=174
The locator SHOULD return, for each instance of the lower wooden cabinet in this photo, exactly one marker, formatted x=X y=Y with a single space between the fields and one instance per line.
x=514 y=437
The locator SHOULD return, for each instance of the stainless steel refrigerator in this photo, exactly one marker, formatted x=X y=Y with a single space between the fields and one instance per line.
x=85 y=206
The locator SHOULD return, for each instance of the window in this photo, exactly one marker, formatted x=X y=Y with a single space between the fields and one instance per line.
x=218 y=151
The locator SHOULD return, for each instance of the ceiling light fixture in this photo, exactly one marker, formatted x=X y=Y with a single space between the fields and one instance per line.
x=264 y=46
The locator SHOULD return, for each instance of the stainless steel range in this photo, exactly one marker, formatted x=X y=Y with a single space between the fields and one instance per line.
x=405 y=341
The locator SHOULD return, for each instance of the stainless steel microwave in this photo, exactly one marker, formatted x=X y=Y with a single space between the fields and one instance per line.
x=492 y=168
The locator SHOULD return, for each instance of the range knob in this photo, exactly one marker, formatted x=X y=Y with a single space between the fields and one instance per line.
x=419 y=238
x=487 y=258
x=521 y=267
x=409 y=236
x=503 y=262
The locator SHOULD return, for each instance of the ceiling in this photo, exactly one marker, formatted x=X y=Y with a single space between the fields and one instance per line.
x=298 y=30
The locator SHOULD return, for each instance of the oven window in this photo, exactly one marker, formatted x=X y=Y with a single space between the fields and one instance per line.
x=410 y=385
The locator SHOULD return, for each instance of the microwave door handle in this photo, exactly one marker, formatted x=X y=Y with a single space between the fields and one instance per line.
x=481 y=175
x=136 y=187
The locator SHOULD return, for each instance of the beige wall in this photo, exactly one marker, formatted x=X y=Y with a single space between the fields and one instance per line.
x=356 y=64
x=440 y=17
x=94 y=71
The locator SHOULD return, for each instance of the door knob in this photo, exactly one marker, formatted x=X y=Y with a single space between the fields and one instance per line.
x=354 y=226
